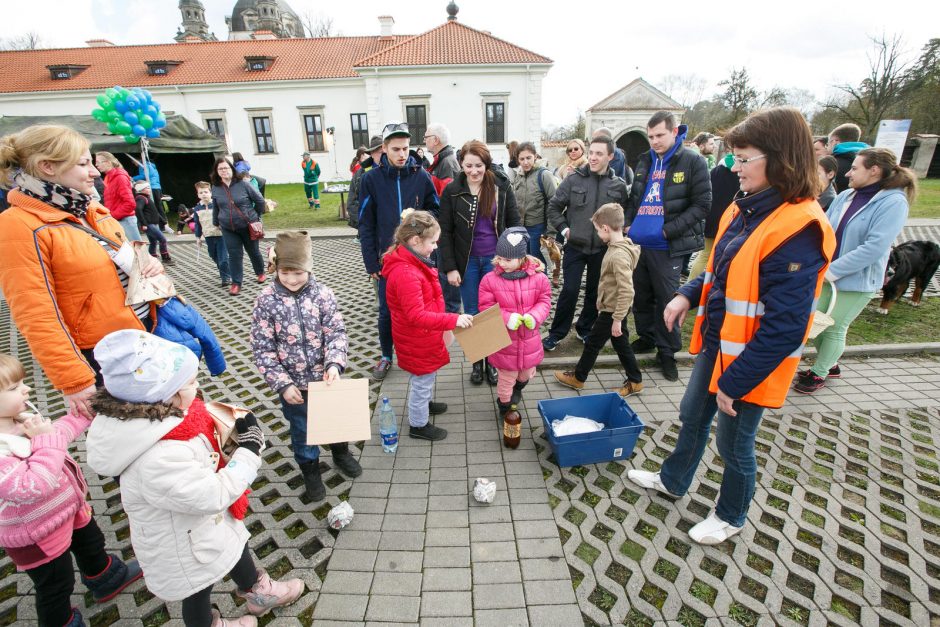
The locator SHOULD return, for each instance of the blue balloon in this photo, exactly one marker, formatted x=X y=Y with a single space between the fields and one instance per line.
x=120 y=106
x=132 y=103
x=147 y=95
x=131 y=118
x=159 y=122
x=156 y=104
x=139 y=130
x=153 y=133
x=151 y=111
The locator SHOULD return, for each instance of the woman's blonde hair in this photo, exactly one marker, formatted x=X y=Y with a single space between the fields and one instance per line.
x=420 y=223
x=107 y=156
x=11 y=370
x=42 y=142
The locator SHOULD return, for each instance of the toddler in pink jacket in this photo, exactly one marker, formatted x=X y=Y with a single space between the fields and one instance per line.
x=43 y=512
x=520 y=287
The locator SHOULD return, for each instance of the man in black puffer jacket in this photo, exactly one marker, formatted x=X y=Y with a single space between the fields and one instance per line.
x=582 y=193
x=670 y=196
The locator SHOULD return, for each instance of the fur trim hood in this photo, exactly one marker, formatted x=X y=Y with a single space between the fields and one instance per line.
x=118 y=435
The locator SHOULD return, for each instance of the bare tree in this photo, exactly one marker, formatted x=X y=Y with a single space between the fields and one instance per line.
x=317 y=24
x=26 y=41
x=774 y=97
x=686 y=89
x=740 y=96
x=881 y=90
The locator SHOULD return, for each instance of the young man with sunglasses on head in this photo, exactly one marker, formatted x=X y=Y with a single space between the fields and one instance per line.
x=398 y=183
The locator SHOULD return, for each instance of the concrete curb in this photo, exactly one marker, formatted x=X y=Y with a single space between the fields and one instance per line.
x=329 y=232
x=860 y=350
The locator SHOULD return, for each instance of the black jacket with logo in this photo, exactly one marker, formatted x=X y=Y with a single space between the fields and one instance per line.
x=687 y=197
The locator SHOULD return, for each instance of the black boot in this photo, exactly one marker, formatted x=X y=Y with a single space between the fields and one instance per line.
x=517 y=392
x=344 y=460
x=492 y=377
x=315 y=489
x=502 y=408
x=167 y=261
x=476 y=377
x=108 y=583
x=435 y=408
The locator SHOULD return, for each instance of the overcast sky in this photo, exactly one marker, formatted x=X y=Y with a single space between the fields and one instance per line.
x=597 y=47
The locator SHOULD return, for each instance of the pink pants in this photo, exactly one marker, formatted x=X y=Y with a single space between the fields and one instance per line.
x=508 y=378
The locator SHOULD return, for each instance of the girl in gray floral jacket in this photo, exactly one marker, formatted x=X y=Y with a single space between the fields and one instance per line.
x=298 y=335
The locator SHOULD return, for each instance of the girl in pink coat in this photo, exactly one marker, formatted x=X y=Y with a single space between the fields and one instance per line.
x=44 y=517
x=522 y=291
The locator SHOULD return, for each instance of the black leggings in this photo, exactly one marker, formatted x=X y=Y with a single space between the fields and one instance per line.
x=55 y=580
x=197 y=611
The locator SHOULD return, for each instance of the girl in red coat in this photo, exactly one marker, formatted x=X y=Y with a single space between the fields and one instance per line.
x=419 y=323
x=524 y=295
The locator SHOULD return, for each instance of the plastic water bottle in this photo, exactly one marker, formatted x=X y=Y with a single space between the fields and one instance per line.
x=388 y=427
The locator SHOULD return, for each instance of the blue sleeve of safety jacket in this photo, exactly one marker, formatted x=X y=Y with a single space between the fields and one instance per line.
x=787 y=289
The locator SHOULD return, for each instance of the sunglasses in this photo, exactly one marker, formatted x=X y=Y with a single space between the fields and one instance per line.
x=395 y=126
x=574 y=149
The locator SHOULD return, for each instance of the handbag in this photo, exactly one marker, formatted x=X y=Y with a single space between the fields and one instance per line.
x=255 y=229
x=822 y=320
x=224 y=417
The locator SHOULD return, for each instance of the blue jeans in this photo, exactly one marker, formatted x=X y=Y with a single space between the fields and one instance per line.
x=451 y=292
x=237 y=243
x=535 y=247
x=129 y=224
x=735 y=445
x=156 y=238
x=477 y=268
x=219 y=254
x=385 y=323
x=296 y=416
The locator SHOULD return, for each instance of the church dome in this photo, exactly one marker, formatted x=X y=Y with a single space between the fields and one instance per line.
x=290 y=22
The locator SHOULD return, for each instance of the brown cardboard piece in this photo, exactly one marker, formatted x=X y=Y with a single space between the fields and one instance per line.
x=487 y=335
x=338 y=412
x=144 y=290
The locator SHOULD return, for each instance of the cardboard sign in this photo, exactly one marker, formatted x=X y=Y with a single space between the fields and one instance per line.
x=144 y=290
x=487 y=335
x=338 y=412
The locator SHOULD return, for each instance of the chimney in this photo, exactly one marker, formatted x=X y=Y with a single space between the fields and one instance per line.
x=98 y=43
x=385 y=25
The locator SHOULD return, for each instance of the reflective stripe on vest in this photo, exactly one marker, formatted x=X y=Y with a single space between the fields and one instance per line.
x=743 y=306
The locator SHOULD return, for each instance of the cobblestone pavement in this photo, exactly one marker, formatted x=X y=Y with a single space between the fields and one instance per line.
x=844 y=528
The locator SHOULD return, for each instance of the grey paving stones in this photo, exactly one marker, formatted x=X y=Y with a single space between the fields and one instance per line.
x=446 y=604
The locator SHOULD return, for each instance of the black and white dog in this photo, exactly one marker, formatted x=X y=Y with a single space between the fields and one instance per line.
x=911 y=260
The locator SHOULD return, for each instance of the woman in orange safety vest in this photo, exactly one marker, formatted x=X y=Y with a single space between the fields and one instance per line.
x=755 y=302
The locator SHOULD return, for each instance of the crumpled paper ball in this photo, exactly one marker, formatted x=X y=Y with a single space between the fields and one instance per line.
x=340 y=516
x=484 y=490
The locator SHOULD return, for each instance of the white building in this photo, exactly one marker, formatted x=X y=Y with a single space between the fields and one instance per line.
x=272 y=99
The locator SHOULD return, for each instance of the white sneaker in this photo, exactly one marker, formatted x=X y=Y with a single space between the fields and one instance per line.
x=649 y=480
x=712 y=530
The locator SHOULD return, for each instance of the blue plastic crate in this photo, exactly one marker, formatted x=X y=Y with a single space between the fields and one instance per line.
x=615 y=441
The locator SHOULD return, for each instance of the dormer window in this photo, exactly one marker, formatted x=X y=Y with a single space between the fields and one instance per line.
x=161 y=67
x=259 y=64
x=65 y=72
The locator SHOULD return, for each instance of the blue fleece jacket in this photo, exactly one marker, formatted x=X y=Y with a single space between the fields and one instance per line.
x=182 y=324
x=787 y=289
x=647 y=227
x=385 y=192
x=154 y=176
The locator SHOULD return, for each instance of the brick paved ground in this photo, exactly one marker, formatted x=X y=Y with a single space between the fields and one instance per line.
x=844 y=529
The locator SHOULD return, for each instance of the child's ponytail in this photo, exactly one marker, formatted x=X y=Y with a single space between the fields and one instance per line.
x=420 y=223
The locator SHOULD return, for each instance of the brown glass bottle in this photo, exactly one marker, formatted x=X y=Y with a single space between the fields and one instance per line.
x=512 y=428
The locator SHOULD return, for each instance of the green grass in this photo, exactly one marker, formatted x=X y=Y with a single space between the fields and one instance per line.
x=293 y=212
x=927 y=204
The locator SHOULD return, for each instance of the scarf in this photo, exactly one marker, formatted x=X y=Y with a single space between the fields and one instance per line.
x=65 y=198
x=197 y=421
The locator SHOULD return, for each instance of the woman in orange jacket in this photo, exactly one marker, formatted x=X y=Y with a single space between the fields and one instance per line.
x=64 y=264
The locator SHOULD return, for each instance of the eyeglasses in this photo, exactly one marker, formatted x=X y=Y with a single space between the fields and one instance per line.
x=743 y=162
x=573 y=149
x=428 y=136
x=395 y=127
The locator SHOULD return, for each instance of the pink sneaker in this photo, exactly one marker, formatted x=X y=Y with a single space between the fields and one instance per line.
x=241 y=621
x=267 y=594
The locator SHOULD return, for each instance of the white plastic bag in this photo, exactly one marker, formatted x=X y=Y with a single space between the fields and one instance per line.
x=484 y=490
x=340 y=516
x=573 y=425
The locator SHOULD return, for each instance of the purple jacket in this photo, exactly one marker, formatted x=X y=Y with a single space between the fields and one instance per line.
x=41 y=487
x=531 y=294
x=295 y=337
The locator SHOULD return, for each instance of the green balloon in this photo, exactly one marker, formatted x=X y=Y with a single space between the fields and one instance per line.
x=103 y=101
x=110 y=92
x=124 y=93
x=99 y=114
x=122 y=128
x=131 y=139
x=113 y=115
x=146 y=121
x=112 y=126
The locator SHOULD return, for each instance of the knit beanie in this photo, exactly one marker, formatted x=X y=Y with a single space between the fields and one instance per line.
x=142 y=368
x=293 y=250
x=513 y=243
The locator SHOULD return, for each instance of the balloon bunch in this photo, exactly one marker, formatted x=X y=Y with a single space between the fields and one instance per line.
x=132 y=113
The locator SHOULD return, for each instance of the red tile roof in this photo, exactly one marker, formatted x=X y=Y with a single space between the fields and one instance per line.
x=224 y=61
x=451 y=43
